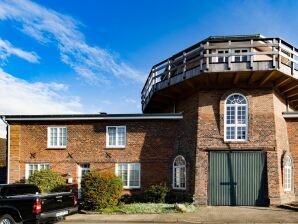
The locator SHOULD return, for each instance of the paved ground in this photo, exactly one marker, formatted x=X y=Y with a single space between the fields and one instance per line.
x=201 y=215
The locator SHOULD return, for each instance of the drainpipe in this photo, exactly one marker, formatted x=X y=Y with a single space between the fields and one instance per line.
x=7 y=148
x=287 y=108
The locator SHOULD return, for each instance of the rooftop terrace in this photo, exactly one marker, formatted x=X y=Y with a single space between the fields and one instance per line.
x=222 y=62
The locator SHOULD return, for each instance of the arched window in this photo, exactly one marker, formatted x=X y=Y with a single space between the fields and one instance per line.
x=287 y=173
x=179 y=173
x=235 y=117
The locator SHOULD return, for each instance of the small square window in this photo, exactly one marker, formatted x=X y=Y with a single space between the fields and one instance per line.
x=57 y=137
x=116 y=137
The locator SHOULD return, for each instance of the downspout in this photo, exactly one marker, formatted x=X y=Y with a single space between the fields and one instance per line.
x=7 y=148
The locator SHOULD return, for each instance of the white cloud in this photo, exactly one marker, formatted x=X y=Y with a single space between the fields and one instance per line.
x=7 y=49
x=21 y=97
x=48 y=26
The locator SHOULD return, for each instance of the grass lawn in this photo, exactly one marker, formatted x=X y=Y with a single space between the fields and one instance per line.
x=145 y=208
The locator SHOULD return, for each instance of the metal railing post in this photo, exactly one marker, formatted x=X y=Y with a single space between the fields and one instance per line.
x=251 y=57
x=273 y=56
x=202 y=59
x=207 y=57
x=279 y=56
x=169 y=70
x=292 y=63
x=229 y=57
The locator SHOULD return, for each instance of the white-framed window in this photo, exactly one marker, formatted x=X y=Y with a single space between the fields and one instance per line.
x=116 y=136
x=235 y=118
x=57 y=137
x=179 y=173
x=222 y=59
x=288 y=173
x=32 y=167
x=130 y=174
x=238 y=58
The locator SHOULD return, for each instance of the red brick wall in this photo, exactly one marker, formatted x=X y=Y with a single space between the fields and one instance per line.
x=2 y=152
x=282 y=147
x=148 y=142
x=292 y=125
x=204 y=119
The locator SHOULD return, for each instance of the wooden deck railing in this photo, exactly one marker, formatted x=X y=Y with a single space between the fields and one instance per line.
x=205 y=54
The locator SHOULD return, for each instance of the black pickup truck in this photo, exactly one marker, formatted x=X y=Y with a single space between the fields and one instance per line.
x=23 y=203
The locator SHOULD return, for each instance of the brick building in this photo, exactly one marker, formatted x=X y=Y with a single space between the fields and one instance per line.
x=218 y=123
x=2 y=160
x=2 y=152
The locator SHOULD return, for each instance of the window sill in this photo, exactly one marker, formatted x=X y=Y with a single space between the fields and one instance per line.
x=236 y=141
x=131 y=188
x=116 y=147
x=179 y=189
x=56 y=147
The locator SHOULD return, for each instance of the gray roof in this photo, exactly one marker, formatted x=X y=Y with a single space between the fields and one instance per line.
x=100 y=116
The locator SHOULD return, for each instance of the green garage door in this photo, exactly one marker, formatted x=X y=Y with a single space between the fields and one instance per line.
x=237 y=178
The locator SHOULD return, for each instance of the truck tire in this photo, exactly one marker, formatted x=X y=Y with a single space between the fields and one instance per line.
x=7 y=219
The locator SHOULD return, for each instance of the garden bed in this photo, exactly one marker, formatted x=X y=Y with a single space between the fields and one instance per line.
x=145 y=208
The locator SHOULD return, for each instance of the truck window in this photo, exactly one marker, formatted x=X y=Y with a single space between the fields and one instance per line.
x=18 y=190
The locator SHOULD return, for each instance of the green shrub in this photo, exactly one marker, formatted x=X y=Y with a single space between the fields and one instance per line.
x=100 y=190
x=179 y=197
x=156 y=193
x=47 y=181
x=134 y=198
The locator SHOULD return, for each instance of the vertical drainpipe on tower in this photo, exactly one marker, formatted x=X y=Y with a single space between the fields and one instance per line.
x=287 y=108
x=7 y=148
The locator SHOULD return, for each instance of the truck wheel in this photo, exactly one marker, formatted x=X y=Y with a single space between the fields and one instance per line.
x=7 y=219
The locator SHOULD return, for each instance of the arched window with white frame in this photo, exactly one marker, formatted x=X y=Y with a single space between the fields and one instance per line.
x=179 y=173
x=236 y=118
x=288 y=173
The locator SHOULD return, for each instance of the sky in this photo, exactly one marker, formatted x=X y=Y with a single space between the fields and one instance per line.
x=74 y=56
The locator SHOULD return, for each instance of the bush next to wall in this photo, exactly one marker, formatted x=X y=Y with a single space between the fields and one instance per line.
x=100 y=190
x=48 y=181
x=156 y=193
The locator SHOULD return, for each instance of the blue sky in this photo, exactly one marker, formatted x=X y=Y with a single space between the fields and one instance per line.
x=62 y=56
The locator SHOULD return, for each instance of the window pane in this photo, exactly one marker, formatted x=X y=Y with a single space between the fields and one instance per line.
x=121 y=136
x=55 y=135
x=134 y=175
x=122 y=172
x=64 y=136
x=230 y=134
x=241 y=114
x=112 y=135
x=241 y=132
x=60 y=137
x=230 y=115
